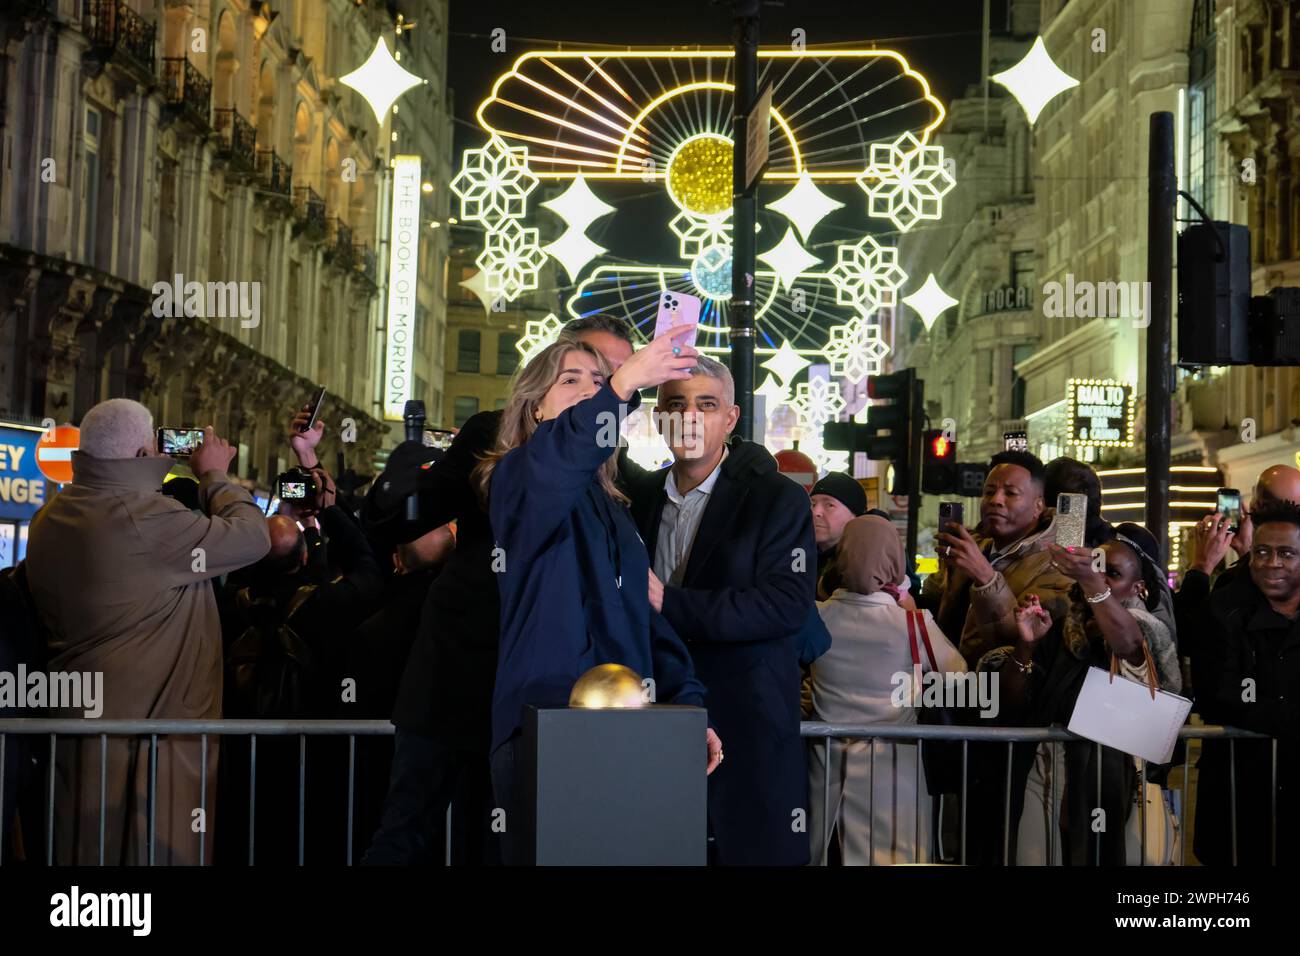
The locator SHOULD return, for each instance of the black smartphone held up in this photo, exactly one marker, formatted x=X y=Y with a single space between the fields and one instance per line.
x=438 y=438
x=315 y=408
x=1229 y=503
x=950 y=513
x=179 y=442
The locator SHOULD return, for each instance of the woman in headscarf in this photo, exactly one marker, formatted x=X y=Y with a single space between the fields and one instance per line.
x=868 y=676
x=1111 y=612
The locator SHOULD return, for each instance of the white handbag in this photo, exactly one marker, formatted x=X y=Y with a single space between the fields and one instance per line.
x=1164 y=835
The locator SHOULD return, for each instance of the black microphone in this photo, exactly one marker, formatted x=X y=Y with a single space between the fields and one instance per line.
x=413 y=422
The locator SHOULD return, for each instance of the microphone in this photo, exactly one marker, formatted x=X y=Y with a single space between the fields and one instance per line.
x=413 y=424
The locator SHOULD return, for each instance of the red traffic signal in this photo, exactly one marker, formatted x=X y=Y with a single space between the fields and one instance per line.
x=941 y=448
x=938 y=464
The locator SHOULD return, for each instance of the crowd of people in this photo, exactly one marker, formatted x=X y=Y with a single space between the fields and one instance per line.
x=538 y=549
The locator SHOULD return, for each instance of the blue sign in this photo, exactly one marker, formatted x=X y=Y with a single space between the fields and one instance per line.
x=23 y=489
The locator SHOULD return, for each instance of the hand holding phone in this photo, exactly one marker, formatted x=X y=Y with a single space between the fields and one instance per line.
x=1229 y=505
x=179 y=442
x=1071 y=520
x=678 y=309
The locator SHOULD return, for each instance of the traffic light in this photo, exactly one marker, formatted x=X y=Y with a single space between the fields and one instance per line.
x=938 y=463
x=889 y=429
x=1213 y=294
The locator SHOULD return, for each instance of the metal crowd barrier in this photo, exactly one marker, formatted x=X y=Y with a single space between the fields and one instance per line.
x=919 y=733
x=810 y=730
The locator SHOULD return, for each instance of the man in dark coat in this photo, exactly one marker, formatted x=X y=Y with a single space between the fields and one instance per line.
x=734 y=565
x=1248 y=676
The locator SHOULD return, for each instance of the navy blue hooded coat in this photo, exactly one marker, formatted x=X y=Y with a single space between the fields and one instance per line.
x=575 y=586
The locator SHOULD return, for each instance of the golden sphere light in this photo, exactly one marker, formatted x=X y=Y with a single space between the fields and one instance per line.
x=699 y=175
x=608 y=686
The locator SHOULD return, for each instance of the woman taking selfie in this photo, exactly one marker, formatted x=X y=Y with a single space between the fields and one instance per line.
x=573 y=572
x=1110 y=614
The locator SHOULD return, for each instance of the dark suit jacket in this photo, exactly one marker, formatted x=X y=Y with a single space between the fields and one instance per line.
x=748 y=590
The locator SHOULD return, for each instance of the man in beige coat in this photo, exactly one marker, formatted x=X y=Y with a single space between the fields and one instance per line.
x=982 y=577
x=120 y=575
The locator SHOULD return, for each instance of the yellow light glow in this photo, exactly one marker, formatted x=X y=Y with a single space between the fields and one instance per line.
x=634 y=170
x=699 y=175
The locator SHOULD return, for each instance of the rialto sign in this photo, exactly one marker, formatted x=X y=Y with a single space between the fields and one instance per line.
x=1100 y=412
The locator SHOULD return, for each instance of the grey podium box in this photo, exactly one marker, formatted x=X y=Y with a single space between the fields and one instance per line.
x=615 y=787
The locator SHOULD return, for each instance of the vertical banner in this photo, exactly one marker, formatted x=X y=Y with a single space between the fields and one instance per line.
x=403 y=267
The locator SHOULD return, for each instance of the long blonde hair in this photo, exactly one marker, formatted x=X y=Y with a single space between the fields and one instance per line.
x=530 y=385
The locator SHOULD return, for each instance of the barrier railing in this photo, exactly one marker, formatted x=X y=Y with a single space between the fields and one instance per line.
x=818 y=734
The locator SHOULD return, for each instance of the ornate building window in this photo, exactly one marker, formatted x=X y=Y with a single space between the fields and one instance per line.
x=1200 y=105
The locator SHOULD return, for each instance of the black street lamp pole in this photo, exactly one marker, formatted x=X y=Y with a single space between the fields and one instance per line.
x=1162 y=185
x=744 y=216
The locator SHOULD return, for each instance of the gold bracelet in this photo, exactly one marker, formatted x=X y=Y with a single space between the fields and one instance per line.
x=1024 y=668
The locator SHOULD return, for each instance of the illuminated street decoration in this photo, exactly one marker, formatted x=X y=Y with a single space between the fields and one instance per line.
x=403 y=267
x=511 y=258
x=1035 y=81
x=786 y=363
x=929 y=301
x=774 y=393
x=855 y=350
x=697 y=233
x=478 y=284
x=906 y=181
x=538 y=333
x=711 y=272
x=381 y=80
x=789 y=259
x=817 y=401
x=579 y=207
x=867 y=275
x=493 y=184
x=805 y=205
x=573 y=250
x=663 y=117
x=699 y=175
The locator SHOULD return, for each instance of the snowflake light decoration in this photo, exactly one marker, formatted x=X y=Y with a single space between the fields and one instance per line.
x=697 y=233
x=817 y=402
x=511 y=258
x=906 y=182
x=867 y=275
x=538 y=333
x=823 y=459
x=493 y=184
x=855 y=350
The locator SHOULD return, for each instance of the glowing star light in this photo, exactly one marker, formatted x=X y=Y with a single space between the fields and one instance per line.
x=478 y=284
x=805 y=205
x=573 y=250
x=786 y=363
x=493 y=184
x=905 y=182
x=578 y=206
x=817 y=402
x=538 y=333
x=1035 y=81
x=867 y=275
x=380 y=80
x=929 y=301
x=774 y=394
x=855 y=350
x=511 y=257
x=789 y=259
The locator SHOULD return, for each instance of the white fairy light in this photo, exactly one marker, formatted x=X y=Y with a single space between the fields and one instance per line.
x=380 y=80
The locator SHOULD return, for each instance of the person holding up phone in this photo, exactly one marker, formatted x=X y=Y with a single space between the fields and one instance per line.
x=574 y=579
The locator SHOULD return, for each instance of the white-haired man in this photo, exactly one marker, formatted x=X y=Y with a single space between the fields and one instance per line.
x=119 y=573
